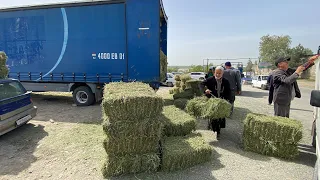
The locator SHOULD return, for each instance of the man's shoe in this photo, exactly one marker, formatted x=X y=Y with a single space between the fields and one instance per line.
x=218 y=136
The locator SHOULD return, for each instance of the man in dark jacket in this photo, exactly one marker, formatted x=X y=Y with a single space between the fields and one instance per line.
x=285 y=86
x=233 y=76
x=218 y=87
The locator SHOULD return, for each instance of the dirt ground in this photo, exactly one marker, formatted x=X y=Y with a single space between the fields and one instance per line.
x=65 y=142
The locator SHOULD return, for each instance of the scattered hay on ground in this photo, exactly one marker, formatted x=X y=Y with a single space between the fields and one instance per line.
x=274 y=136
x=183 y=152
x=177 y=122
x=119 y=165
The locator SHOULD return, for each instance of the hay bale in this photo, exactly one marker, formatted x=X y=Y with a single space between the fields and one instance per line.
x=177 y=122
x=186 y=94
x=195 y=86
x=274 y=136
x=208 y=108
x=183 y=87
x=163 y=66
x=185 y=77
x=216 y=108
x=194 y=106
x=130 y=102
x=118 y=165
x=132 y=137
x=177 y=77
x=181 y=103
x=3 y=67
x=178 y=84
x=184 y=152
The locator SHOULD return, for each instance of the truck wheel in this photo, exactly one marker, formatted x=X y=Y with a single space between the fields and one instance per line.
x=83 y=96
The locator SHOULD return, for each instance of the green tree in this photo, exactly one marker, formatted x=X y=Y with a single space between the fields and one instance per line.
x=172 y=69
x=272 y=47
x=298 y=55
x=196 y=68
x=249 y=66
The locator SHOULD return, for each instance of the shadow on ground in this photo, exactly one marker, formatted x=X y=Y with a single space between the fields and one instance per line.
x=255 y=94
x=17 y=148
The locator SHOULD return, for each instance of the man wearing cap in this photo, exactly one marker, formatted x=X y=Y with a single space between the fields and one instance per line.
x=285 y=86
x=233 y=76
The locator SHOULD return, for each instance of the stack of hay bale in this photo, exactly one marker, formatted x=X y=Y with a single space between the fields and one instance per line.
x=274 y=136
x=3 y=67
x=208 y=108
x=133 y=127
x=181 y=146
x=185 y=89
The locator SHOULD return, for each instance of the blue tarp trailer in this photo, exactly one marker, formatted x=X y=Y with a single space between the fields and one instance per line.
x=80 y=46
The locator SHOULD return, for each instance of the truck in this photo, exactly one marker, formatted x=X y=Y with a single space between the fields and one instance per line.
x=315 y=102
x=80 y=46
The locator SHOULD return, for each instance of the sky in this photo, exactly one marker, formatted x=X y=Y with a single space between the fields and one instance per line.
x=217 y=29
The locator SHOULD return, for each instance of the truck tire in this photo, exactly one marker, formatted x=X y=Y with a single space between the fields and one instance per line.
x=83 y=96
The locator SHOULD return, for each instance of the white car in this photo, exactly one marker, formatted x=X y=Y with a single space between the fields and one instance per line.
x=260 y=81
x=198 y=75
x=170 y=80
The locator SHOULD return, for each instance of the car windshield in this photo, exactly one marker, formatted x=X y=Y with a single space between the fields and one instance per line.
x=10 y=89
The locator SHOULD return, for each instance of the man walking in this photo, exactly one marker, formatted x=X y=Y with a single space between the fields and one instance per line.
x=285 y=86
x=233 y=76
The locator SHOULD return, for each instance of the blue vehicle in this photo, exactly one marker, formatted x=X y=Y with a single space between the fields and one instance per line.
x=79 y=46
x=16 y=107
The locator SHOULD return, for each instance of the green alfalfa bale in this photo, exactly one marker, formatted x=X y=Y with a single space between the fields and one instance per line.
x=177 y=122
x=3 y=67
x=216 y=108
x=273 y=136
x=130 y=164
x=185 y=77
x=194 y=106
x=180 y=103
x=130 y=102
x=177 y=77
x=163 y=66
x=186 y=94
x=183 y=87
x=195 y=86
x=182 y=152
x=132 y=137
x=178 y=84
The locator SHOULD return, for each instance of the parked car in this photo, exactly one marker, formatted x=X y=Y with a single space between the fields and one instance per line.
x=246 y=79
x=260 y=81
x=198 y=75
x=16 y=107
x=170 y=80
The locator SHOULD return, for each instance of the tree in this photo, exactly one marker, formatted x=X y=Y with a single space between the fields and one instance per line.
x=172 y=69
x=298 y=55
x=195 y=68
x=272 y=47
x=249 y=66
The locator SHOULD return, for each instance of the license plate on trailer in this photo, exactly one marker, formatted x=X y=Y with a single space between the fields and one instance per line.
x=23 y=120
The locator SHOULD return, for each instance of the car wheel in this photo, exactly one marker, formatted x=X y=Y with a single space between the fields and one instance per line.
x=263 y=87
x=170 y=84
x=201 y=78
x=83 y=96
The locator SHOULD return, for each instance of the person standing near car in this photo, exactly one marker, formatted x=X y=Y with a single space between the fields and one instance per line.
x=285 y=85
x=218 y=87
x=234 y=79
